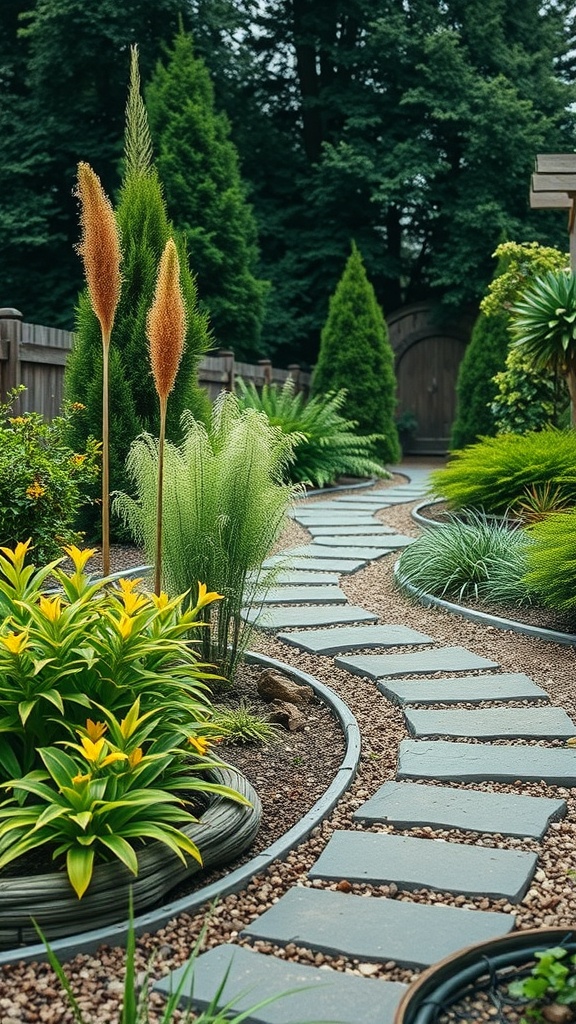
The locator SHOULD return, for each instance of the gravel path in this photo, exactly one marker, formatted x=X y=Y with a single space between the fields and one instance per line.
x=29 y=993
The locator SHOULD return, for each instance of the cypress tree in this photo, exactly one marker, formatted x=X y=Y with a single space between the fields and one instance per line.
x=145 y=229
x=199 y=169
x=355 y=354
x=484 y=357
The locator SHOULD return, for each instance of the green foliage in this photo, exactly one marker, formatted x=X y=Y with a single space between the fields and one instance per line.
x=243 y=724
x=526 y=399
x=326 y=445
x=355 y=354
x=543 y=322
x=145 y=229
x=42 y=479
x=468 y=558
x=125 y=658
x=224 y=505
x=198 y=166
x=552 y=560
x=494 y=473
x=475 y=387
x=551 y=980
x=518 y=264
x=539 y=501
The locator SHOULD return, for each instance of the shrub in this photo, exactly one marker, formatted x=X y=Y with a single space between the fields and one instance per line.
x=104 y=717
x=41 y=479
x=552 y=560
x=326 y=445
x=355 y=354
x=527 y=399
x=224 y=505
x=475 y=387
x=468 y=558
x=493 y=474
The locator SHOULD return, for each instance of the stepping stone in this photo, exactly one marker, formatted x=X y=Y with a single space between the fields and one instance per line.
x=426 y=864
x=340 y=565
x=480 y=762
x=390 y=499
x=310 y=579
x=303 y=595
x=545 y=723
x=316 y=550
x=411 y=804
x=442 y=659
x=253 y=977
x=374 y=929
x=276 y=618
x=393 y=540
x=362 y=506
x=374 y=530
x=333 y=519
x=350 y=638
x=457 y=689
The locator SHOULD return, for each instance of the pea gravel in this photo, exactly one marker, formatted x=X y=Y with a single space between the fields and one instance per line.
x=30 y=993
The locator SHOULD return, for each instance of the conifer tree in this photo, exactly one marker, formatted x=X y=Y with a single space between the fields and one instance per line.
x=355 y=354
x=145 y=229
x=198 y=166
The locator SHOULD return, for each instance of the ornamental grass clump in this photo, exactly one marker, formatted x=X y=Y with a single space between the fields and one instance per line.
x=551 y=560
x=468 y=560
x=224 y=505
x=105 y=717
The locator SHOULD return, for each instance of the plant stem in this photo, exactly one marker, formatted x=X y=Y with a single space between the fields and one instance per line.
x=105 y=459
x=158 y=559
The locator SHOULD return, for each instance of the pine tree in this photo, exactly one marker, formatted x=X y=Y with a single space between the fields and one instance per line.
x=145 y=229
x=485 y=356
x=198 y=166
x=355 y=354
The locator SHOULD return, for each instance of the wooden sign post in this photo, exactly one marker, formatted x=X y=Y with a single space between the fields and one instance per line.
x=554 y=187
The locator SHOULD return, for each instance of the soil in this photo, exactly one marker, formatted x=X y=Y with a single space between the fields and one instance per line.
x=30 y=993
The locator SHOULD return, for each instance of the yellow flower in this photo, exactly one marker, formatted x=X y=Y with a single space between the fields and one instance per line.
x=205 y=598
x=132 y=602
x=18 y=554
x=77 y=406
x=35 y=491
x=95 y=729
x=15 y=642
x=135 y=757
x=200 y=743
x=79 y=558
x=77 y=460
x=17 y=421
x=160 y=600
x=79 y=779
x=125 y=626
x=93 y=752
x=51 y=607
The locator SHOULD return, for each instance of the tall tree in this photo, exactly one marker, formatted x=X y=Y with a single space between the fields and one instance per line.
x=198 y=166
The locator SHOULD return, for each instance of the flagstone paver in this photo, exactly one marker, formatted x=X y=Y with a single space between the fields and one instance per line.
x=374 y=929
x=350 y=638
x=298 y=577
x=275 y=617
x=340 y=565
x=374 y=530
x=393 y=540
x=426 y=864
x=304 y=595
x=480 y=762
x=335 y=519
x=462 y=689
x=411 y=804
x=444 y=659
x=316 y=550
x=252 y=978
x=492 y=723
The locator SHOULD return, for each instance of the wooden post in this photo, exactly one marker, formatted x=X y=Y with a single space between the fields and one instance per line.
x=229 y=375
x=266 y=365
x=10 y=337
x=294 y=371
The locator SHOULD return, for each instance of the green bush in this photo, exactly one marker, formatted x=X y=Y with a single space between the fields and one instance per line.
x=527 y=399
x=468 y=558
x=493 y=474
x=224 y=505
x=326 y=444
x=552 y=560
x=355 y=354
x=41 y=479
x=475 y=387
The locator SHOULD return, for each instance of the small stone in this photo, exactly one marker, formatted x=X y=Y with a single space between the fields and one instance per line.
x=273 y=686
x=287 y=715
x=557 y=1014
x=344 y=886
x=367 y=970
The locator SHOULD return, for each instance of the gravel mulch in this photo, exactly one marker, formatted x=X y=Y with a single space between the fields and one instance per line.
x=29 y=993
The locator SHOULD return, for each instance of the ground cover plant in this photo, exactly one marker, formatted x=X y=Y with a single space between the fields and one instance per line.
x=326 y=444
x=497 y=472
x=471 y=558
x=551 y=560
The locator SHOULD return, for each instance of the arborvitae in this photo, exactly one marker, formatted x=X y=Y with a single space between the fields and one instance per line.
x=145 y=229
x=198 y=166
x=355 y=354
x=485 y=356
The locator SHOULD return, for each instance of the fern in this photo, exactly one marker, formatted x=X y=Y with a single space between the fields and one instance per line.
x=326 y=445
x=224 y=506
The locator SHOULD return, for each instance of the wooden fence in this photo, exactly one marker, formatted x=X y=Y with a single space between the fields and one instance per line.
x=36 y=357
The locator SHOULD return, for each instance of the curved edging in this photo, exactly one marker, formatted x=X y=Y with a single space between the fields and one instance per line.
x=430 y=601
x=116 y=935
x=422 y=520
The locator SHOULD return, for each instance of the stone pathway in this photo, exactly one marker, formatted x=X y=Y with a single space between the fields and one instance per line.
x=444 y=749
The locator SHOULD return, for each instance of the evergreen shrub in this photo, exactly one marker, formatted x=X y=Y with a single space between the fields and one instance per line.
x=551 y=568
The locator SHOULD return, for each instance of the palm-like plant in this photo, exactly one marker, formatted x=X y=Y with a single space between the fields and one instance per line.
x=543 y=325
x=326 y=445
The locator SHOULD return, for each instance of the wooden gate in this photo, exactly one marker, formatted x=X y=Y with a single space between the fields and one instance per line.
x=427 y=356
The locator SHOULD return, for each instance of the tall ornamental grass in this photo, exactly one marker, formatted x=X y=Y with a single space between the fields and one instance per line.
x=493 y=474
x=224 y=505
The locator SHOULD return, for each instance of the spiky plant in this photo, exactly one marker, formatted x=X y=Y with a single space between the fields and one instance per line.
x=166 y=330
x=243 y=724
x=552 y=560
x=494 y=473
x=100 y=250
x=326 y=444
x=224 y=505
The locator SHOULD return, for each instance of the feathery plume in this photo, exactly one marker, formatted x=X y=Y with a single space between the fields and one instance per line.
x=166 y=322
x=99 y=248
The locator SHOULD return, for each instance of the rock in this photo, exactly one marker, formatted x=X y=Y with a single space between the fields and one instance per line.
x=557 y=1014
x=287 y=715
x=274 y=686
